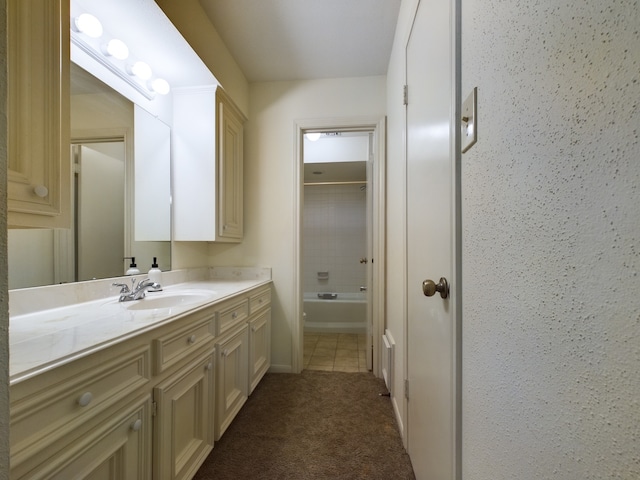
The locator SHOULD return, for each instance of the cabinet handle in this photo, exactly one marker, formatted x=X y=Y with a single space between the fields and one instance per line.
x=192 y=339
x=137 y=425
x=209 y=366
x=85 y=399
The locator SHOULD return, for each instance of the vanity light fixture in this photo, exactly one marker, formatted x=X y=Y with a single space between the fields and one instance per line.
x=140 y=69
x=160 y=85
x=111 y=52
x=88 y=24
x=312 y=136
x=116 y=48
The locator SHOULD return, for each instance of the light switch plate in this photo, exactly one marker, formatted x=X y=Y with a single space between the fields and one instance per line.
x=469 y=121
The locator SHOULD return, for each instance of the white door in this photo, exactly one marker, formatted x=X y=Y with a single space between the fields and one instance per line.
x=430 y=243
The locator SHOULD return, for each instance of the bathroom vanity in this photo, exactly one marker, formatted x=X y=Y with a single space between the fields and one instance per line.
x=141 y=389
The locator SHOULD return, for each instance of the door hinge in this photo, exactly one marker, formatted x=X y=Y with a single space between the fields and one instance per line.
x=406 y=389
x=154 y=409
x=405 y=95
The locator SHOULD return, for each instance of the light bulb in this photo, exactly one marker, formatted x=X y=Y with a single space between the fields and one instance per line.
x=140 y=70
x=88 y=24
x=116 y=48
x=312 y=136
x=160 y=85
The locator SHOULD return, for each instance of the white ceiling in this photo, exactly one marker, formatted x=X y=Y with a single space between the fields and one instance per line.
x=305 y=39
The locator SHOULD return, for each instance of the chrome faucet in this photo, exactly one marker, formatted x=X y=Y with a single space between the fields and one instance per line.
x=136 y=293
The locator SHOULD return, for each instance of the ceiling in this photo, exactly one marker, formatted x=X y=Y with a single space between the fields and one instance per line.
x=275 y=40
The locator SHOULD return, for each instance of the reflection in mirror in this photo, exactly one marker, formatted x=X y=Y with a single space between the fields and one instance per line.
x=103 y=234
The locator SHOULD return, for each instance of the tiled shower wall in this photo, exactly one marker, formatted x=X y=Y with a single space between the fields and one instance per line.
x=334 y=238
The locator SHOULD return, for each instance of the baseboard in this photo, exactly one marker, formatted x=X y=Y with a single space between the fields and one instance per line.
x=396 y=412
x=280 y=369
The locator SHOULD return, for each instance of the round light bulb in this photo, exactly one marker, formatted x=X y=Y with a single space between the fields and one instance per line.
x=140 y=70
x=312 y=136
x=116 y=48
x=88 y=24
x=161 y=86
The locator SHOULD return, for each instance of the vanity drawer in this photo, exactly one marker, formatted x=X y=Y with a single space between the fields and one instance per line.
x=179 y=343
x=259 y=300
x=231 y=314
x=50 y=406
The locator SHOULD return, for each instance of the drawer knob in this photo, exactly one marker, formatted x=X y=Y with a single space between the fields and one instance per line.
x=234 y=315
x=260 y=301
x=137 y=425
x=209 y=366
x=225 y=353
x=254 y=329
x=85 y=399
x=192 y=339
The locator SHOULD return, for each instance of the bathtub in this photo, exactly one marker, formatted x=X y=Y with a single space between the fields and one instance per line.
x=347 y=313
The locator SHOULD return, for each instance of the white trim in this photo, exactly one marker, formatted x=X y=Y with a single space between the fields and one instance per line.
x=378 y=126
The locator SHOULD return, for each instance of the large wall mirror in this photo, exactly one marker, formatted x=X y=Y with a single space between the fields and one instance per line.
x=121 y=189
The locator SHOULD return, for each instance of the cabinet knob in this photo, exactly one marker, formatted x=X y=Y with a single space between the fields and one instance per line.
x=225 y=352
x=137 y=425
x=254 y=329
x=209 y=366
x=41 y=191
x=85 y=399
x=234 y=315
x=192 y=339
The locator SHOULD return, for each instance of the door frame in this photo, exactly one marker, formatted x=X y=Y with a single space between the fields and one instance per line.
x=378 y=126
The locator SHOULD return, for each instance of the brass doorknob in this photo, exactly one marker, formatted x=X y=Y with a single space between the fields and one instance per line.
x=429 y=287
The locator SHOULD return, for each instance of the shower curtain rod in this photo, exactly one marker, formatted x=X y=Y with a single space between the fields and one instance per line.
x=334 y=183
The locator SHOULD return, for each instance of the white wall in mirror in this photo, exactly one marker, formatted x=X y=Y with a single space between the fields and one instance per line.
x=152 y=183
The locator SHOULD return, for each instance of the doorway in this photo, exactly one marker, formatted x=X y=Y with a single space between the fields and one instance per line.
x=335 y=253
x=369 y=188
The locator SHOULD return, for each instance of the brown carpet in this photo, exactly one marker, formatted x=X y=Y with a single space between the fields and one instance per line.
x=316 y=425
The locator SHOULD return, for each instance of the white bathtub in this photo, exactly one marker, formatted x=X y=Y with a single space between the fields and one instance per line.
x=347 y=313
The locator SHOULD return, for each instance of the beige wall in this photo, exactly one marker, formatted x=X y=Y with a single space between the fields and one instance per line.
x=4 y=295
x=270 y=185
x=551 y=222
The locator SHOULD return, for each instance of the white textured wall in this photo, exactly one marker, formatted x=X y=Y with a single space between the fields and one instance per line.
x=551 y=229
x=269 y=183
x=4 y=296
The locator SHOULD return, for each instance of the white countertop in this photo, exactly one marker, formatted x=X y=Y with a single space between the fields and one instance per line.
x=42 y=340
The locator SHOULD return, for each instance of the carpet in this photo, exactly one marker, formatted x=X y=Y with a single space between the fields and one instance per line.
x=315 y=425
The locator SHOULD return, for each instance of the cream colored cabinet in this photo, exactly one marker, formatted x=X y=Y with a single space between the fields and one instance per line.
x=259 y=336
x=184 y=421
x=207 y=144
x=231 y=377
x=60 y=417
x=230 y=168
x=38 y=152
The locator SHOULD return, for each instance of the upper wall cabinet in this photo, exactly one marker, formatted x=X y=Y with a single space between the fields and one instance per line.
x=207 y=171
x=38 y=114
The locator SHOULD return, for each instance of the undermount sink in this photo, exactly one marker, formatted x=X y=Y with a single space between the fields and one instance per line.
x=167 y=301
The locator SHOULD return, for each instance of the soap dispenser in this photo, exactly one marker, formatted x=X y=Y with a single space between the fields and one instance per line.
x=133 y=268
x=155 y=274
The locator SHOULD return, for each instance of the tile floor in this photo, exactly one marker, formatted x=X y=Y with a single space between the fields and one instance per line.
x=335 y=352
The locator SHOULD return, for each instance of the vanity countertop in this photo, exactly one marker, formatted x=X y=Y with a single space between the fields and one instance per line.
x=40 y=341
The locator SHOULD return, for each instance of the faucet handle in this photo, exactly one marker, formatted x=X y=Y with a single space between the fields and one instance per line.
x=124 y=288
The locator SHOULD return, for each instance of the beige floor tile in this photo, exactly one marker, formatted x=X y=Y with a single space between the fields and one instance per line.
x=321 y=361
x=320 y=367
x=346 y=362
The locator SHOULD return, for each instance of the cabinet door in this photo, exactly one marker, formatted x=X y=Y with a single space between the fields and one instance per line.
x=230 y=169
x=38 y=147
x=184 y=421
x=259 y=348
x=231 y=379
x=119 y=448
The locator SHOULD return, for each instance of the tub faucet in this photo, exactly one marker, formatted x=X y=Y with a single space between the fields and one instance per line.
x=136 y=293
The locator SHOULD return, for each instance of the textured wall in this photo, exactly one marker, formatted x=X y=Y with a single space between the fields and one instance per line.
x=4 y=297
x=551 y=229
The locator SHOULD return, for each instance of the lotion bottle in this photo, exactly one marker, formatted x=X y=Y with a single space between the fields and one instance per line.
x=133 y=268
x=155 y=274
